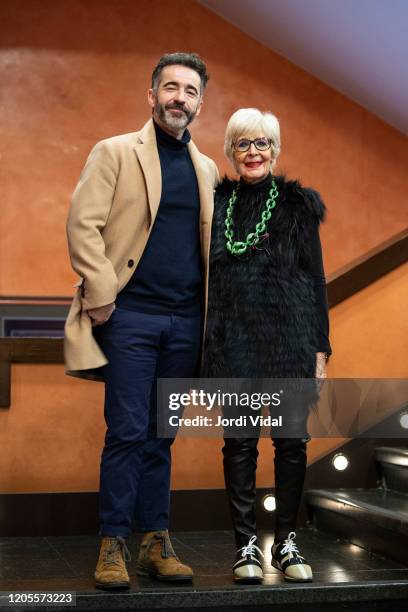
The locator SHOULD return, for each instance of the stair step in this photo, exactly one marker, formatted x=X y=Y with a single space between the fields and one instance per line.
x=346 y=578
x=393 y=464
x=375 y=519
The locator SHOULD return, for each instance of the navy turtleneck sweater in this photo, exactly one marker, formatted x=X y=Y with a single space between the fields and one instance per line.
x=168 y=278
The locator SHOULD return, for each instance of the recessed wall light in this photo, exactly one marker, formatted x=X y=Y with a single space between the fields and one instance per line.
x=340 y=462
x=404 y=420
x=269 y=503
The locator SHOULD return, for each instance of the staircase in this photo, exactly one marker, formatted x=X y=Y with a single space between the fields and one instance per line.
x=374 y=519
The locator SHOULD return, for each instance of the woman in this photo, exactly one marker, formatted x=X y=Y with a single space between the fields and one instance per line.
x=267 y=318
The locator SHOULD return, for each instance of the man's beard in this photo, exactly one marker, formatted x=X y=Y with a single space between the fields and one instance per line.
x=176 y=123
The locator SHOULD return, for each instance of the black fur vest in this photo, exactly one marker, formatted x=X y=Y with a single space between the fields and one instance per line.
x=261 y=309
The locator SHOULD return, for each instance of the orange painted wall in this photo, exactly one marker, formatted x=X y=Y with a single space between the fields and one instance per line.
x=370 y=330
x=73 y=72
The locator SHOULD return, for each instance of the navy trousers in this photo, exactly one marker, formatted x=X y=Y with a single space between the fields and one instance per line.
x=135 y=464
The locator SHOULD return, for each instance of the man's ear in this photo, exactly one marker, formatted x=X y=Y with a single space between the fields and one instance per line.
x=201 y=102
x=151 y=98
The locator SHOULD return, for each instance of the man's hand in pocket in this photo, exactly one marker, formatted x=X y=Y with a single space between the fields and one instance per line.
x=101 y=315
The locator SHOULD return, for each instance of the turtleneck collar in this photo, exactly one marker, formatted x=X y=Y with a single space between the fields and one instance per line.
x=164 y=139
x=255 y=187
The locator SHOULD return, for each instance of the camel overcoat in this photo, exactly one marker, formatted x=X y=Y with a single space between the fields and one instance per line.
x=110 y=219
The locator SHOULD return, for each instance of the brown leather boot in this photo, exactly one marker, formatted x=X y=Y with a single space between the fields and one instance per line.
x=111 y=572
x=157 y=559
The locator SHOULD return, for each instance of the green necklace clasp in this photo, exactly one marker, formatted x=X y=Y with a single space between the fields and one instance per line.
x=236 y=247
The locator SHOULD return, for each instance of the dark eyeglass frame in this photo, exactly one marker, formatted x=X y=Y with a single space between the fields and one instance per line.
x=235 y=144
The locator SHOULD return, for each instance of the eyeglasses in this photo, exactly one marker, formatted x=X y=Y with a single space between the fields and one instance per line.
x=243 y=145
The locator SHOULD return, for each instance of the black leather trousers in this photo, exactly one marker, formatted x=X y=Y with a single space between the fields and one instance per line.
x=240 y=461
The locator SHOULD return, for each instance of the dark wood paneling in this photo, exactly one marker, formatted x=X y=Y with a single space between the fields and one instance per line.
x=31 y=350
x=368 y=268
x=5 y=383
x=25 y=350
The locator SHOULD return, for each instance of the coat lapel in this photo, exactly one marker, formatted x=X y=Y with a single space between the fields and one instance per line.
x=147 y=153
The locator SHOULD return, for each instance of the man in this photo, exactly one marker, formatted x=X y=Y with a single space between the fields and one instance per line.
x=138 y=233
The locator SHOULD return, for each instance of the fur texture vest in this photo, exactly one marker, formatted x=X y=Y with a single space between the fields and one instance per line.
x=261 y=310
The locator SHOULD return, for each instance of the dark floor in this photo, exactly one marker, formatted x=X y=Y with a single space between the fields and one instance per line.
x=67 y=563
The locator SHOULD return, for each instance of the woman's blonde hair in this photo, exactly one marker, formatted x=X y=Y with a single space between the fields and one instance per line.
x=252 y=120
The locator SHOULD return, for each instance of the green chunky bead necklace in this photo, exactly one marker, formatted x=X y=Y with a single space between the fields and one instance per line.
x=238 y=248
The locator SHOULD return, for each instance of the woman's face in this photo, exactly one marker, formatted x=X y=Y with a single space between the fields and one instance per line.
x=252 y=165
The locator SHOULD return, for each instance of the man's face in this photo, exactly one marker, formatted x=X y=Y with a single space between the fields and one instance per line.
x=177 y=99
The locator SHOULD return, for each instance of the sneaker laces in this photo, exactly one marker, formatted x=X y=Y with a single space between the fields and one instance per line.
x=117 y=545
x=290 y=547
x=250 y=549
x=167 y=548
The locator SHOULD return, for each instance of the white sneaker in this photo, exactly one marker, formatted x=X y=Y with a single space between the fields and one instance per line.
x=287 y=559
x=247 y=567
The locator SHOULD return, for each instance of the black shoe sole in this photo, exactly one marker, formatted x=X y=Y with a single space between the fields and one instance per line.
x=254 y=580
x=113 y=586
x=288 y=578
x=147 y=574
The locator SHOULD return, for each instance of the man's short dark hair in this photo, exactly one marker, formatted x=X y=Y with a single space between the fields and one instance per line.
x=191 y=60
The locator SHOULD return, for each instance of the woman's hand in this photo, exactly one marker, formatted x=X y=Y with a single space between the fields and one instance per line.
x=320 y=365
x=101 y=315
